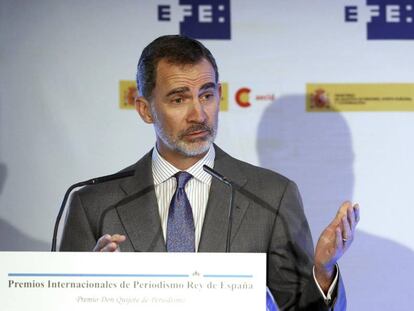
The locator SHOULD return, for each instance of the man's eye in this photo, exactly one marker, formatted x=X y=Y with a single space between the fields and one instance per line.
x=207 y=97
x=177 y=100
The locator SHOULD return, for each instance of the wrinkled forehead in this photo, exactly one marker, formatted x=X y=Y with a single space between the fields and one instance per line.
x=183 y=63
x=170 y=74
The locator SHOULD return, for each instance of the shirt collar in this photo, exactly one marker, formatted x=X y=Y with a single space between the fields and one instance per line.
x=163 y=170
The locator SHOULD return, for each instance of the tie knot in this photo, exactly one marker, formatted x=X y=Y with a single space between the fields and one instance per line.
x=182 y=179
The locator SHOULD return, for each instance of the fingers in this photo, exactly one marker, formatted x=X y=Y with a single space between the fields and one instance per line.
x=339 y=242
x=351 y=217
x=341 y=212
x=108 y=243
x=338 y=236
x=349 y=221
x=356 y=212
x=351 y=212
x=347 y=235
x=345 y=221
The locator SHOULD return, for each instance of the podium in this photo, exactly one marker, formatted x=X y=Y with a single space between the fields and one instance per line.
x=133 y=281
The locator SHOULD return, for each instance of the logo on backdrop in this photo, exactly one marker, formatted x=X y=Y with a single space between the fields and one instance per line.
x=200 y=19
x=127 y=93
x=319 y=99
x=338 y=97
x=242 y=97
x=388 y=19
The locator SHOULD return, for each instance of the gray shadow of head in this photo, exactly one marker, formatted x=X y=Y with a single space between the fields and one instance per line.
x=313 y=149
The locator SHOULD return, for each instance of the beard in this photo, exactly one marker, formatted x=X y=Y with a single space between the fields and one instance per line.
x=187 y=147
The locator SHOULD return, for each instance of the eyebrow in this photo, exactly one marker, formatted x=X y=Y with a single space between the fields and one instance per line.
x=180 y=90
x=208 y=85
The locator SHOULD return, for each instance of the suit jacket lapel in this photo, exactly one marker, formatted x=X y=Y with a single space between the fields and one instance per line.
x=138 y=212
x=214 y=233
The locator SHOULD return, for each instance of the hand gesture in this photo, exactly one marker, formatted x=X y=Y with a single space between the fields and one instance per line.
x=334 y=242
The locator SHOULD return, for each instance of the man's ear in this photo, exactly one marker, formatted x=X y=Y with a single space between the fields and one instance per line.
x=143 y=108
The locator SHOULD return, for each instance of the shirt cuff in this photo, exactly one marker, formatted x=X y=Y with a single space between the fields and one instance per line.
x=328 y=296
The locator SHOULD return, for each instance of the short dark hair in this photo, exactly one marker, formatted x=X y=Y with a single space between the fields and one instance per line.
x=175 y=49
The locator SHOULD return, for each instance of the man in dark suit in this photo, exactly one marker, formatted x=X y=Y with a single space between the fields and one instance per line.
x=179 y=94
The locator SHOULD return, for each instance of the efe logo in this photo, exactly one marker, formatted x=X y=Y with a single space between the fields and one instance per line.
x=201 y=19
x=389 y=19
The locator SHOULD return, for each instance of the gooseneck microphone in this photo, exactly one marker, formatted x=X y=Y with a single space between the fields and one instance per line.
x=93 y=181
x=227 y=182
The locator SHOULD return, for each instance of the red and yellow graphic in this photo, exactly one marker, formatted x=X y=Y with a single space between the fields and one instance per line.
x=224 y=100
x=127 y=93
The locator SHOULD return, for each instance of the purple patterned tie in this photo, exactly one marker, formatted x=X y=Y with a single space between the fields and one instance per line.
x=180 y=226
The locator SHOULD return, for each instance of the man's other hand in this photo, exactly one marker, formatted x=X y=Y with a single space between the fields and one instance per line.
x=334 y=242
x=109 y=243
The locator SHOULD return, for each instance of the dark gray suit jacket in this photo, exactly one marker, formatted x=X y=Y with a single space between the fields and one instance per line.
x=268 y=217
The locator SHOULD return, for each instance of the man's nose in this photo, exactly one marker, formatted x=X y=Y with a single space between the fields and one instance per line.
x=197 y=112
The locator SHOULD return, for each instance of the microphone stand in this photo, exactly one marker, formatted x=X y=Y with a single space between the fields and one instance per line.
x=92 y=181
x=227 y=182
x=270 y=301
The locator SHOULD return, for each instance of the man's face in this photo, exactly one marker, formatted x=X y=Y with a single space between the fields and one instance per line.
x=184 y=108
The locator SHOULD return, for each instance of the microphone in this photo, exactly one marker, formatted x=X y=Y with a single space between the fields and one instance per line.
x=217 y=175
x=93 y=181
x=224 y=180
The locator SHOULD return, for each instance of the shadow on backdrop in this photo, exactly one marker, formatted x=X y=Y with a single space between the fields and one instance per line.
x=315 y=150
x=12 y=239
x=3 y=176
